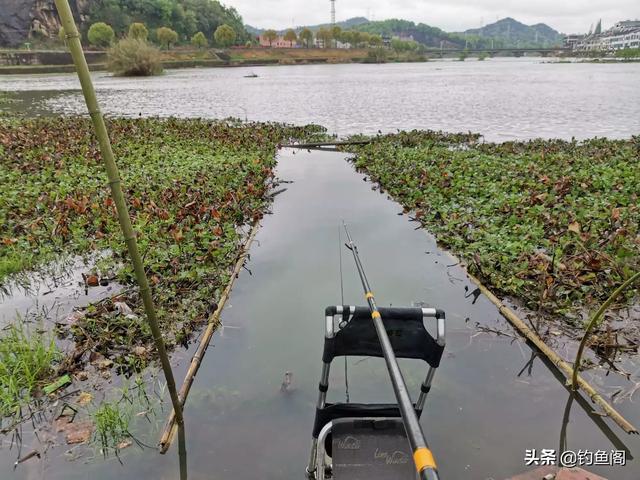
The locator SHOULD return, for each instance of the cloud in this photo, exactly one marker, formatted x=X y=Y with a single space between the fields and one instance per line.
x=452 y=15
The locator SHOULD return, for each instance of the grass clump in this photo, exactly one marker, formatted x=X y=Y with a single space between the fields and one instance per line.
x=26 y=362
x=552 y=222
x=114 y=420
x=111 y=425
x=134 y=57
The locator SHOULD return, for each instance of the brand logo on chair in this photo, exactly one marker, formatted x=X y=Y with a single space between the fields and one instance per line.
x=391 y=458
x=349 y=443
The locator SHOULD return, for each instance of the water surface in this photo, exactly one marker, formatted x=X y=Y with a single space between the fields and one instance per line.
x=486 y=407
x=500 y=98
x=481 y=415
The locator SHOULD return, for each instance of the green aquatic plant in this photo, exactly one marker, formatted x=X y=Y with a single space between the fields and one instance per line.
x=111 y=426
x=194 y=189
x=116 y=419
x=27 y=358
x=554 y=223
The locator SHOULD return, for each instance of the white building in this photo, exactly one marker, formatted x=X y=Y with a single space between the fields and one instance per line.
x=622 y=35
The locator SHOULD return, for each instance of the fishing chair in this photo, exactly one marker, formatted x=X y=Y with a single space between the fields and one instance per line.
x=368 y=440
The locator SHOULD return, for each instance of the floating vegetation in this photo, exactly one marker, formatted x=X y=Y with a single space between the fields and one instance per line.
x=554 y=223
x=6 y=99
x=194 y=188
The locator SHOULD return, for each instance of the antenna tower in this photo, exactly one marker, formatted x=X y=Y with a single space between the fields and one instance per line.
x=333 y=12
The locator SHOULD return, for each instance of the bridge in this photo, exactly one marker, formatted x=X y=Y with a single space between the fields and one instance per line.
x=509 y=51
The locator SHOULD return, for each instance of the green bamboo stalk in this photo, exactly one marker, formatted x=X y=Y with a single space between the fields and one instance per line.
x=73 y=42
x=594 y=321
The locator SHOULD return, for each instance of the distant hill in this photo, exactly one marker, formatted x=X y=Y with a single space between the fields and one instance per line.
x=421 y=33
x=511 y=33
x=345 y=25
x=503 y=33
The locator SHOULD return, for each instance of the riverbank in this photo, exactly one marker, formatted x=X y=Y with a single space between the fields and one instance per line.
x=20 y=62
x=554 y=224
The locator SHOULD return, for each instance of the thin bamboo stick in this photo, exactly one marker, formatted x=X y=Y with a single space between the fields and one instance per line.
x=563 y=366
x=594 y=321
x=75 y=48
x=325 y=144
x=214 y=321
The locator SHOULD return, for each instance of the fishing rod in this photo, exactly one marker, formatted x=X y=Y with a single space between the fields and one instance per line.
x=422 y=456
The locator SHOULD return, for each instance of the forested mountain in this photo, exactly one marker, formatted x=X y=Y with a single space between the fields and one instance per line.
x=345 y=25
x=421 y=33
x=514 y=33
x=22 y=20
x=184 y=16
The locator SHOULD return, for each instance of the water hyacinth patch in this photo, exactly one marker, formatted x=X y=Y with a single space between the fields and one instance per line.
x=552 y=222
x=194 y=188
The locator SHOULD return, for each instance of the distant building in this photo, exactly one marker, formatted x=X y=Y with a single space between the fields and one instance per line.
x=625 y=34
x=279 y=42
x=570 y=41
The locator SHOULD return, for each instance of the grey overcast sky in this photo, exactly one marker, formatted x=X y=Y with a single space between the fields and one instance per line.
x=568 y=16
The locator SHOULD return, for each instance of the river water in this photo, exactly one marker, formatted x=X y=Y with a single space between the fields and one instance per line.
x=501 y=98
x=487 y=406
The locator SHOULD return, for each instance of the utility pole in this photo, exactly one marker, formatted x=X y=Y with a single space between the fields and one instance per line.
x=333 y=12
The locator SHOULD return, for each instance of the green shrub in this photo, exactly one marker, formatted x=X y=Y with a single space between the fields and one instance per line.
x=199 y=40
x=628 y=53
x=134 y=57
x=166 y=37
x=138 y=30
x=377 y=55
x=100 y=35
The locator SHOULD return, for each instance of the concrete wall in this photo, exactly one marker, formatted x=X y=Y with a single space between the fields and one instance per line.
x=46 y=58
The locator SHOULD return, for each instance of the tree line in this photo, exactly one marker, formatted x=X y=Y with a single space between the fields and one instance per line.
x=185 y=17
x=329 y=37
x=102 y=35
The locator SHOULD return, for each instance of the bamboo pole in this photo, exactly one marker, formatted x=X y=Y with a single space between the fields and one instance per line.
x=169 y=430
x=73 y=42
x=563 y=366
